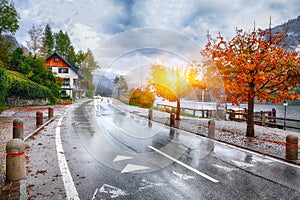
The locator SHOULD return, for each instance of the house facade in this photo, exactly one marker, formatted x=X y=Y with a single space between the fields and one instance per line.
x=70 y=74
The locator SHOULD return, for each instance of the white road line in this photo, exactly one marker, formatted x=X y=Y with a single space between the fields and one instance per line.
x=255 y=153
x=184 y=165
x=64 y=169
x=95 y=193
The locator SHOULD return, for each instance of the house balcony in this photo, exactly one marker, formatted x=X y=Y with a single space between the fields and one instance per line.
x=66 y=87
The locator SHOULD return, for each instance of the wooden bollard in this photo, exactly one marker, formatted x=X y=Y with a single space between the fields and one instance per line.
x=172 y=120
x=15 y=160
x=150 y=114
x=50 y=113
x=291 y=148
x=172 y=133
x=39 y=118
x=211 y=135
x=211 y=129
x=18 y=129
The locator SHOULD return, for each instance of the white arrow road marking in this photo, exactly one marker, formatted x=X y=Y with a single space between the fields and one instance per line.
x=95 y=194
x=184 y=165
x=226 y=169
x=242 y=164
x=147 y=184
x=120 y=158
x=109 y=189
x=183 y=176
x=131 y=168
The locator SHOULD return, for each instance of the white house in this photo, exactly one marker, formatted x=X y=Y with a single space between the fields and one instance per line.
x=69 y=73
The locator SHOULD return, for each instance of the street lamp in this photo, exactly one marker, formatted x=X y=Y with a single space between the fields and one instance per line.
x=285 y=104
x=59 y=94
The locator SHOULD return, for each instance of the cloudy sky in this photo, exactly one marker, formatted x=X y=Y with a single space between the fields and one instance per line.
x=124 y=33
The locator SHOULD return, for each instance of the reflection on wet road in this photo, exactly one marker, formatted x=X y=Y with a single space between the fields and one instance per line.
x=112 y=132
x=133 y=158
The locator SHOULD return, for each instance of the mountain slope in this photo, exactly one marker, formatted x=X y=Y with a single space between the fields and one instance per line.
x=293 y=30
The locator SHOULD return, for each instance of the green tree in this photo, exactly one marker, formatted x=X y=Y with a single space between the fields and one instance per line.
x=121 y=84
x=87 y=64
x=64 y=47
x=81 y=58
x=9 y=24
x=17 y=59
x=42 y=75
x=48 y=41
x=9 y=18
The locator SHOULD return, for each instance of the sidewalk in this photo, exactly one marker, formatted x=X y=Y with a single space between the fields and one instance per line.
x=43 y=178
x=39 y=151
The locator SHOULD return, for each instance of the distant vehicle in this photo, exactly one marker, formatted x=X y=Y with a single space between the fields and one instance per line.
x=97 y=97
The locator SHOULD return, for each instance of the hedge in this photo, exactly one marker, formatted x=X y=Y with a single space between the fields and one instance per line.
x=14 y=85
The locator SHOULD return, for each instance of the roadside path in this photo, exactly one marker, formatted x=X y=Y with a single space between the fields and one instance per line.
x=42 y=171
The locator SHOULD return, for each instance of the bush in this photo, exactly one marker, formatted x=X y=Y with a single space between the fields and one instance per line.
x=13 y=85
x=4 y=85
x=141 y=98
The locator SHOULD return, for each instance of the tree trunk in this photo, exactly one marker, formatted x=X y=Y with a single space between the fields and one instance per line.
x=178 y=109
x=250 y=117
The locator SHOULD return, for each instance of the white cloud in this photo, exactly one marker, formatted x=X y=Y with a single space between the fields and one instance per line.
x=83 y=36
x=114 y=28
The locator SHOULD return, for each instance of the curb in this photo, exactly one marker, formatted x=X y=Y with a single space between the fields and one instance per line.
x=294 y=162
x=38 y=129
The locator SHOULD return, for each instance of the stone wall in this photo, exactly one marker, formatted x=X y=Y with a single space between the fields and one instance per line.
x=17 y=101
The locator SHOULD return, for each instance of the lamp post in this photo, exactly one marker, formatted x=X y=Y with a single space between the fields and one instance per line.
x=59 y=92
x=285 y=104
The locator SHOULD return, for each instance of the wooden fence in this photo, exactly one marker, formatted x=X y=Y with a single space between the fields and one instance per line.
x=205 y=113
x=264 y=118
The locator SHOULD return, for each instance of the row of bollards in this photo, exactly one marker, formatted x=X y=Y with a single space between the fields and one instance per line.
x=15 y=148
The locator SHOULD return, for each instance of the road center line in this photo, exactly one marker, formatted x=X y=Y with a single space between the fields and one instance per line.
x=64 y=169
x=184 y=165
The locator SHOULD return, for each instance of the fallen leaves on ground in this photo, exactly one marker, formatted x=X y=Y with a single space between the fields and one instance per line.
x=41 y=171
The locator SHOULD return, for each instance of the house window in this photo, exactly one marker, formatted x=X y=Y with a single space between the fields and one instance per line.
x=67 y=81
x=63 y=70
x=55 y=59
x=63 y=93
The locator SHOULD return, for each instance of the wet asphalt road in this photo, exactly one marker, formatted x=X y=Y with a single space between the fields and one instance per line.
x=113 y=154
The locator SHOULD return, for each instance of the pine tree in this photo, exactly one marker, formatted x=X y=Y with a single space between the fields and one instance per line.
x=48 y=41
x=64 y=47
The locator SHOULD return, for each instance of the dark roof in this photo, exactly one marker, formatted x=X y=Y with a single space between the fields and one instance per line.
x=75 y=68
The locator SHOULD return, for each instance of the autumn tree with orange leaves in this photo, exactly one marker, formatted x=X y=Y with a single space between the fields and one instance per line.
x=174 y=83
x=254 y=66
